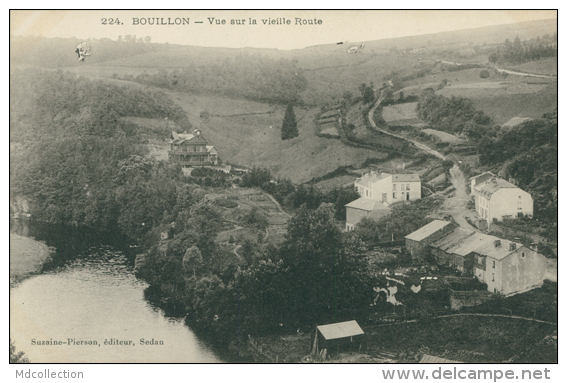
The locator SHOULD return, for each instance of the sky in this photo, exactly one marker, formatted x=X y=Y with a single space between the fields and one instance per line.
x=334 y=26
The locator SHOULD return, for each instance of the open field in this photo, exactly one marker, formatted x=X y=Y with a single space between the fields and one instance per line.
x=545 y=66
x=502 y=108
x=443 y=136
x=335 y=183
x=398 y=114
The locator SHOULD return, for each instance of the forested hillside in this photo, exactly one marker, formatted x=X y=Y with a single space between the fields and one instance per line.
x=529 y=153
x=77 y=161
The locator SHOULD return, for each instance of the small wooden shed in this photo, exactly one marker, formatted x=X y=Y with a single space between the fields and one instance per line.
x=336 y=336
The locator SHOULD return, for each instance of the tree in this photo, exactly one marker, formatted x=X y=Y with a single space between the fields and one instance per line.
x=368 y=95
x=192 y=259
x=326 y=270
x=289 y=126
x=17 y=357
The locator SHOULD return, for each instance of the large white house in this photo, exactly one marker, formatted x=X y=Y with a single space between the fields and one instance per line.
x=497 y=199
x=389 y=188
x=378 y=192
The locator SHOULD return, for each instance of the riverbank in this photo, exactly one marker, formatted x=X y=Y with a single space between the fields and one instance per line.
x=27 y=256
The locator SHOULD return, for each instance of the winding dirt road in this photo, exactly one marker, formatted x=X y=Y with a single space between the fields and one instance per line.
x=417 y=144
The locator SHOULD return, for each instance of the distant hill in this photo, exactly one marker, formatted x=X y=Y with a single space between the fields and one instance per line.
x=31 y=51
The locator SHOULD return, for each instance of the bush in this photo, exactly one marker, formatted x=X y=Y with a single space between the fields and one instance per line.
x=484 y=74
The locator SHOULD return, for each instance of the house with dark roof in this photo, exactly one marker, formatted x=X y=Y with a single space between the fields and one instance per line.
x=497 y=199
x=389 y=188
x=191 y=150
x=506 y=267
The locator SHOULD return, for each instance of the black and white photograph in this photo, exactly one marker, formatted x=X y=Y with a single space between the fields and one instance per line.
x=284 y=187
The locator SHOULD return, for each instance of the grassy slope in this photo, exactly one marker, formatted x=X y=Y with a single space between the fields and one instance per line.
x=248 y=140
x=546 y=66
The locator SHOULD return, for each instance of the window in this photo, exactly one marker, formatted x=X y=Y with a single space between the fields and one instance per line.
x=493 y=280
x=394 y=195
x=367 y=193
x=523 y=255
x=493 y=266
x=394 y=187
x=407 y=186
x=403 y=187
x=519 y=205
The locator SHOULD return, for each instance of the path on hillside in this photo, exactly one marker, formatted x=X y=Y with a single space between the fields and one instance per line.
x=271 y=197
x=417 y=144
x=470 y=314
x=525 y=74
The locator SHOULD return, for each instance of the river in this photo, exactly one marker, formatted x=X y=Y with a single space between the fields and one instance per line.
x=93 y=297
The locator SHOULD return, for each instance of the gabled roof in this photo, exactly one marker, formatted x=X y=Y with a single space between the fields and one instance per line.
x=489 y=248
x=428 y=230
x=371 y=177
x=489 y=187
x=340 y=330
x=179 y=138
x=367 y=204
x=405 y=177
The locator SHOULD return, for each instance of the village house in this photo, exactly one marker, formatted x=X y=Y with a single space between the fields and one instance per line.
x=496 y=199
x=364 y=208
x=505 y=266
x=378 y=192
x=191 y=150
x=389 y=188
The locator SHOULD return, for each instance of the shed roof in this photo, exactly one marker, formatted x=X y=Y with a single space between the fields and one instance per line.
x=340 y=330
x=427 y=230
x=453 y=240
x=367 y=204
x=435 y=359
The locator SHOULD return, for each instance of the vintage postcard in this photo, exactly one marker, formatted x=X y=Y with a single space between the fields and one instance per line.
x=284 y=186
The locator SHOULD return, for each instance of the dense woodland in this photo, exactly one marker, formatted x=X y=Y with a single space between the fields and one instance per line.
x=519 y=52
x=455 y=115
x=78 y=161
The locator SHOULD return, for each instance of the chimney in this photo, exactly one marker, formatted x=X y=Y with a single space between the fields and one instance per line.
x=512 y=246
x=497 y=243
